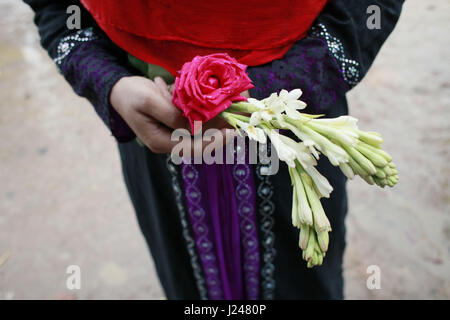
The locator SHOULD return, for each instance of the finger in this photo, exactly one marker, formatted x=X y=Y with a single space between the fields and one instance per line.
x=157 y=137
x=165 y=111
x=162 y=85
x=159 y=140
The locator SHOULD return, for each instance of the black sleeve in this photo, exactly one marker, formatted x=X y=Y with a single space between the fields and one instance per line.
x=333 y=58
x=346 y=20
x=87 y=58
x=51 y=16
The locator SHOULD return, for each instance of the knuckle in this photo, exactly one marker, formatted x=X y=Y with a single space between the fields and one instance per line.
x=146 y=101
x=173 y=119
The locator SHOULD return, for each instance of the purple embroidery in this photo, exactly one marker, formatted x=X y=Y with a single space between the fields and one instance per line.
x=245 y=194
x=203 y=238
x=221 y=203
x=187 y=234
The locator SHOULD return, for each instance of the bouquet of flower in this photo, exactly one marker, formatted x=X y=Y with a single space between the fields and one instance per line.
x=212 y=85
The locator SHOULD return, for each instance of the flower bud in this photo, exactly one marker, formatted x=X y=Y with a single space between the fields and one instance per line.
x=315 y=259
x=388 y=171
x=357 y=168
x=376 y=159
x=305 y=215
x=369 y=180
x=347 y=170
x=321 y=222
x=371 y=138
x=378 y=151
x=380 y=173
x=361 y=160
x=304 y=236
x=310 y=248
x=323 y=239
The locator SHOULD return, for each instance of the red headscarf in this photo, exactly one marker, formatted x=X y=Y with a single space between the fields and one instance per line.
x=170 y=33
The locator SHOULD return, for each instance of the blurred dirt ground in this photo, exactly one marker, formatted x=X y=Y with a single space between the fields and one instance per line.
x=63 y=202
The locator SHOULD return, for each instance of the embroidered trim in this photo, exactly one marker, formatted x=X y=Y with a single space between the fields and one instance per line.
x=266 y=210
x=248 y=230
x=66 y=44
x=204 y=242
x=198 y=273
x=349 y=68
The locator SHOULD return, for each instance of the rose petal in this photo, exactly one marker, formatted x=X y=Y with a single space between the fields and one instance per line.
x=201 y=98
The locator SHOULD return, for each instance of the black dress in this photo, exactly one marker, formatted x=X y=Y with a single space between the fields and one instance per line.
x=331 y=60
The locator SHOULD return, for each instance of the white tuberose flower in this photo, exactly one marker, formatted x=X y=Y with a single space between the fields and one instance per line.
x=303 y=155
x=344 y=122
x=292 y=104
x=288 y=150
x=315 y=142
x=253 y=132
x=322 y=184
x=274 y=106
x=268 y=110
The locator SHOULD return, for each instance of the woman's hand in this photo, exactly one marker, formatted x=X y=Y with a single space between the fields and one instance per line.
x=146 y=106
x=148 y=110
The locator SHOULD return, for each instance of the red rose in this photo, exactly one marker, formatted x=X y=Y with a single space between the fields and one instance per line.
x=208 y=85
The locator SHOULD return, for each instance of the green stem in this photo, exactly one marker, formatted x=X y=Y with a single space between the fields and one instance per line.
x=229 y=115
x=241 y=117
x=243 y=107
x=297 y=123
